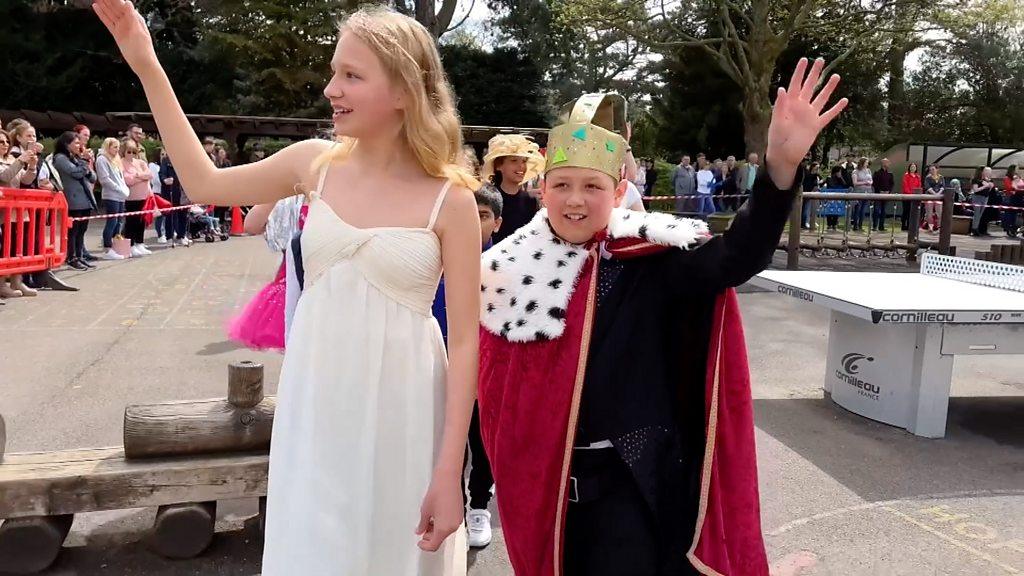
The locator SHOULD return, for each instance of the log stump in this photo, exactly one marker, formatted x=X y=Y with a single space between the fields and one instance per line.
x=184 y=530
x=240 y=423
x=245 y=384
x=30 y=544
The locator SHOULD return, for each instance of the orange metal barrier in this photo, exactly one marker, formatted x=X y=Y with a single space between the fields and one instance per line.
x=34 y=226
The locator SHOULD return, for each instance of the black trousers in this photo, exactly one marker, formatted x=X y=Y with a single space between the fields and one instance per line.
x=76 y=235
x=616 y=534
x=480 y=478
x=134 y=226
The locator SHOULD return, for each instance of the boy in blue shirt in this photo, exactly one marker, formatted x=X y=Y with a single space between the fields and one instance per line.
x=478 y=519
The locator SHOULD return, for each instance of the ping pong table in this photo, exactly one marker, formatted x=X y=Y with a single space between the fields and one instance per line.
x=893 y=336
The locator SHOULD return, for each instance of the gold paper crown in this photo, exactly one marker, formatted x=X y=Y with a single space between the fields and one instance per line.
x=513 y=145
x=591 y=135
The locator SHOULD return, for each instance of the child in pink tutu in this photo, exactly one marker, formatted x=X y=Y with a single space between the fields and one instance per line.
x=261 y=324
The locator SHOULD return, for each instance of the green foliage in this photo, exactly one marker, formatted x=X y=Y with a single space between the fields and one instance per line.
x=971 y=91
x=486 y=97
x=698 y=110
x=663 y=185
x=573 y=59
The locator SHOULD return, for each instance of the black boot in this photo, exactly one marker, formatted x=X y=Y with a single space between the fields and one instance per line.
x=53 y=283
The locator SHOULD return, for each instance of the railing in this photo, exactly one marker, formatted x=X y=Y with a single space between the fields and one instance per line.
x=794 y=242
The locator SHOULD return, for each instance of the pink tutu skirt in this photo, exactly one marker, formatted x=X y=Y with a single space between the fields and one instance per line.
x=260 y=326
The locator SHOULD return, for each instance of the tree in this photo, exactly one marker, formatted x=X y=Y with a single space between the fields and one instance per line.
x=970 y=91
x=696 y=109
x=485 y=96
x=573 y=59
x=276 y=52
x=437 y=20
x=744 y=39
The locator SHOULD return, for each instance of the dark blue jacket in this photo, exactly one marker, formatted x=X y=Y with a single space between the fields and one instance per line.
x=439 y=308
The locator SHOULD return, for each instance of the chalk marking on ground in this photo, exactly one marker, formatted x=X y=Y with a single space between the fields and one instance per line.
x=245 y=279
x=188 y=292
x=117 y=305
x=949 y=539
x=867 y=506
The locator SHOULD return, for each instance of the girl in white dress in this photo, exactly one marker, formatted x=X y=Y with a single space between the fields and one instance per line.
x=372 y=414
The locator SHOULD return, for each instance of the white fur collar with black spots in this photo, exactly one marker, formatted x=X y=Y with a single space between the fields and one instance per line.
x=528 y=278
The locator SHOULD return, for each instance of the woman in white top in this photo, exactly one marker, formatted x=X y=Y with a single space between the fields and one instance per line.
x=632 y=200
x=705 y=181
x=641 y=174
x=110 y=172
x=862 y=182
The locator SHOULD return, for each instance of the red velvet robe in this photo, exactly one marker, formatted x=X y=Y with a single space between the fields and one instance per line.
x=529 y=402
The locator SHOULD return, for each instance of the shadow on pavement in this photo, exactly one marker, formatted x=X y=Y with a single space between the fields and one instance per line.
x=235 y=553
x=980 y=453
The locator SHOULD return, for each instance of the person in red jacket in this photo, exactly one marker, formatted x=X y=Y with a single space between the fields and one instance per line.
x=1013 y=195
x=911 y=185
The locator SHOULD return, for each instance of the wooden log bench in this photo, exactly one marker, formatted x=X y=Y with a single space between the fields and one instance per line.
x=216 y=450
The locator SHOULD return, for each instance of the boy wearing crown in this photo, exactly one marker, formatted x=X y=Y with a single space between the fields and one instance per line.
x=614 y=394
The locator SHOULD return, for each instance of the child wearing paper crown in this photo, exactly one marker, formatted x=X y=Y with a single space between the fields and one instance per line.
x=614 y=394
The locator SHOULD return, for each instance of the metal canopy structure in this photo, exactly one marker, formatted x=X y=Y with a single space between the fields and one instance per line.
x=957 y=159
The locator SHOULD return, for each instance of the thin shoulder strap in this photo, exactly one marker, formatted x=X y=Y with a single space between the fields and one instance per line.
x=323 y=173
x=323 y=176
x=438 y=203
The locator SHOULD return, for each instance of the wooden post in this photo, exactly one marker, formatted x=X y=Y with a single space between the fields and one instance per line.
x=241 y=423
x=263 y=515
x=946 y=222
x=997 y=252
x=793 y=244
x=184 y=530
x=245 y=384
x=913 y=230
x=31 y=544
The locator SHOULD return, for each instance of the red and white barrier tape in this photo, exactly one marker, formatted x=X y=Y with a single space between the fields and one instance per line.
x=968 y=204
x=136 y=213
x=696 y=196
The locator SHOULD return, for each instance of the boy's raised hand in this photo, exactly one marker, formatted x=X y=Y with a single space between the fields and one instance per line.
x=130 y=32
x=797 y=119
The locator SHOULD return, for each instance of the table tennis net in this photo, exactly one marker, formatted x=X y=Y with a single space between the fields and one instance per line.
x=981 y=272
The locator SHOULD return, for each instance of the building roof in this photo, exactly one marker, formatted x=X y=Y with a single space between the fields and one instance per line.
x=228 y=127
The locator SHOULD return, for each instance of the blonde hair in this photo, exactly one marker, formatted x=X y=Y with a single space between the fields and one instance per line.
x=409 y=56
x=15 y=129
x=115 y=159
x=470 y=161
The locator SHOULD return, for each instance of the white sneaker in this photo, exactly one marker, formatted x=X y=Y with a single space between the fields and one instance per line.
x=186 y=242
x=111 y=255
x=145 y=251
x=137 y=252
x=479 y=524
x=161 y=240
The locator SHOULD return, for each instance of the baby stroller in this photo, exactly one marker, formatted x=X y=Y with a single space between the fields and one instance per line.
x=201 y=222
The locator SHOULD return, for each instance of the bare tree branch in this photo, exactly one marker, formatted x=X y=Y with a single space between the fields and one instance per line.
x=464 y=18
x=444 y=16
x=739 y=11
x=739 y=46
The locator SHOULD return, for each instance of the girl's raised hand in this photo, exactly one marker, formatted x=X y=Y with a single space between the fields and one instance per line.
x=130 y=32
